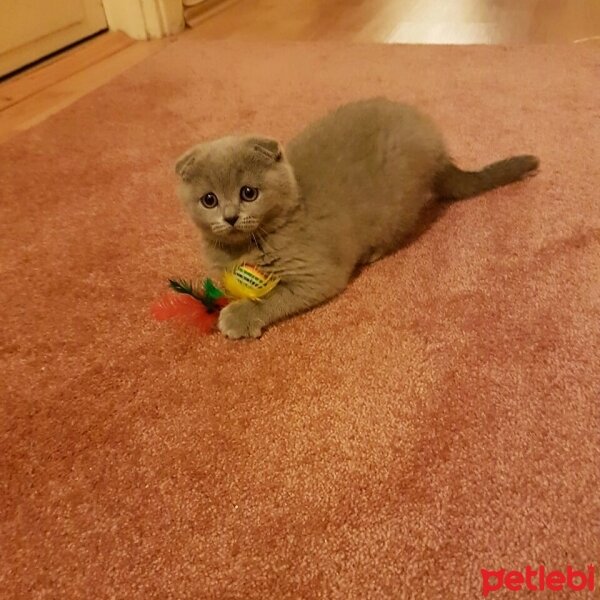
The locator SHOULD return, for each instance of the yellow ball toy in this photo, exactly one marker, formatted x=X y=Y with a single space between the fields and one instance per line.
x=246 y=282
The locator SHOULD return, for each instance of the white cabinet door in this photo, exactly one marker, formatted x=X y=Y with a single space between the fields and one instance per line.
x=31 y=29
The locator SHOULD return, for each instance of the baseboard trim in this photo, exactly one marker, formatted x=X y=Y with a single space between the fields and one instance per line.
x=145 y=19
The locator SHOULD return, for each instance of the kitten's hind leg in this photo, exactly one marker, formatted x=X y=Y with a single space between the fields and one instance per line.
x=247 y=319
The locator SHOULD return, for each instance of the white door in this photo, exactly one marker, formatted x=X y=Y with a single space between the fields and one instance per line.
x=31 y=29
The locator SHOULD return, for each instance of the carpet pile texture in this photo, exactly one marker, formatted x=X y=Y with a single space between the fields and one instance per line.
x=440 y=417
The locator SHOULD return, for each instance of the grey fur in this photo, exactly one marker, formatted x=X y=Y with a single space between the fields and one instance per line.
x=345 y=192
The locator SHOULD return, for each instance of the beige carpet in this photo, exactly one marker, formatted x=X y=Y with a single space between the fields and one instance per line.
x=440 y=417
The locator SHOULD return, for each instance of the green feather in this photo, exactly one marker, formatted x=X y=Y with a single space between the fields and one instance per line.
x=209 y=295
x=181 y=286
x=211 y=291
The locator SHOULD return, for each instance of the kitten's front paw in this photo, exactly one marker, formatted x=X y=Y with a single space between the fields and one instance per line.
x=241 y=319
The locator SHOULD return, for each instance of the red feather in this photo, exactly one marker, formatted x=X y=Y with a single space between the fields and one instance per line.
x=187 y=309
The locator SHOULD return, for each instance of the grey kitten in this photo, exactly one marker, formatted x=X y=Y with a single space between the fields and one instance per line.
x=345 y=192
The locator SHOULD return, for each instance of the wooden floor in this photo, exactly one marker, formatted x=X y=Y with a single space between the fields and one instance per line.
x=33 y=95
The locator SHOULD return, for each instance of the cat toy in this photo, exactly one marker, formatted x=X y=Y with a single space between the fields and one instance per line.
x=201 y=307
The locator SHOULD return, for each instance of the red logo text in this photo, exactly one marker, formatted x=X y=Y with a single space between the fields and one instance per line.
x=538 y=580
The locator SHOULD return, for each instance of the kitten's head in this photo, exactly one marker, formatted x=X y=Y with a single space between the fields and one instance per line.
x=235 y=186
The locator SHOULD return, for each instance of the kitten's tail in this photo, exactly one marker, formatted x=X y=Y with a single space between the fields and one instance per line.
x=453 y=184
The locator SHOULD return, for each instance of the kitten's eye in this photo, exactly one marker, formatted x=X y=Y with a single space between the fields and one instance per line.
x=248 y=194
x=209 y=200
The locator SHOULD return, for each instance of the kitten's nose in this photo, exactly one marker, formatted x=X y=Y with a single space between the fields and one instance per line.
x=231 y=220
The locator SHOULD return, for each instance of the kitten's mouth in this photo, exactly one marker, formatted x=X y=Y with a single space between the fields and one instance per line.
x=240 y=232
x=236 y=233
x=233 y=236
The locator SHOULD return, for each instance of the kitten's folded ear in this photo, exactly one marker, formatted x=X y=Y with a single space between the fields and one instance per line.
x=184 y=164
x=267 y=147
